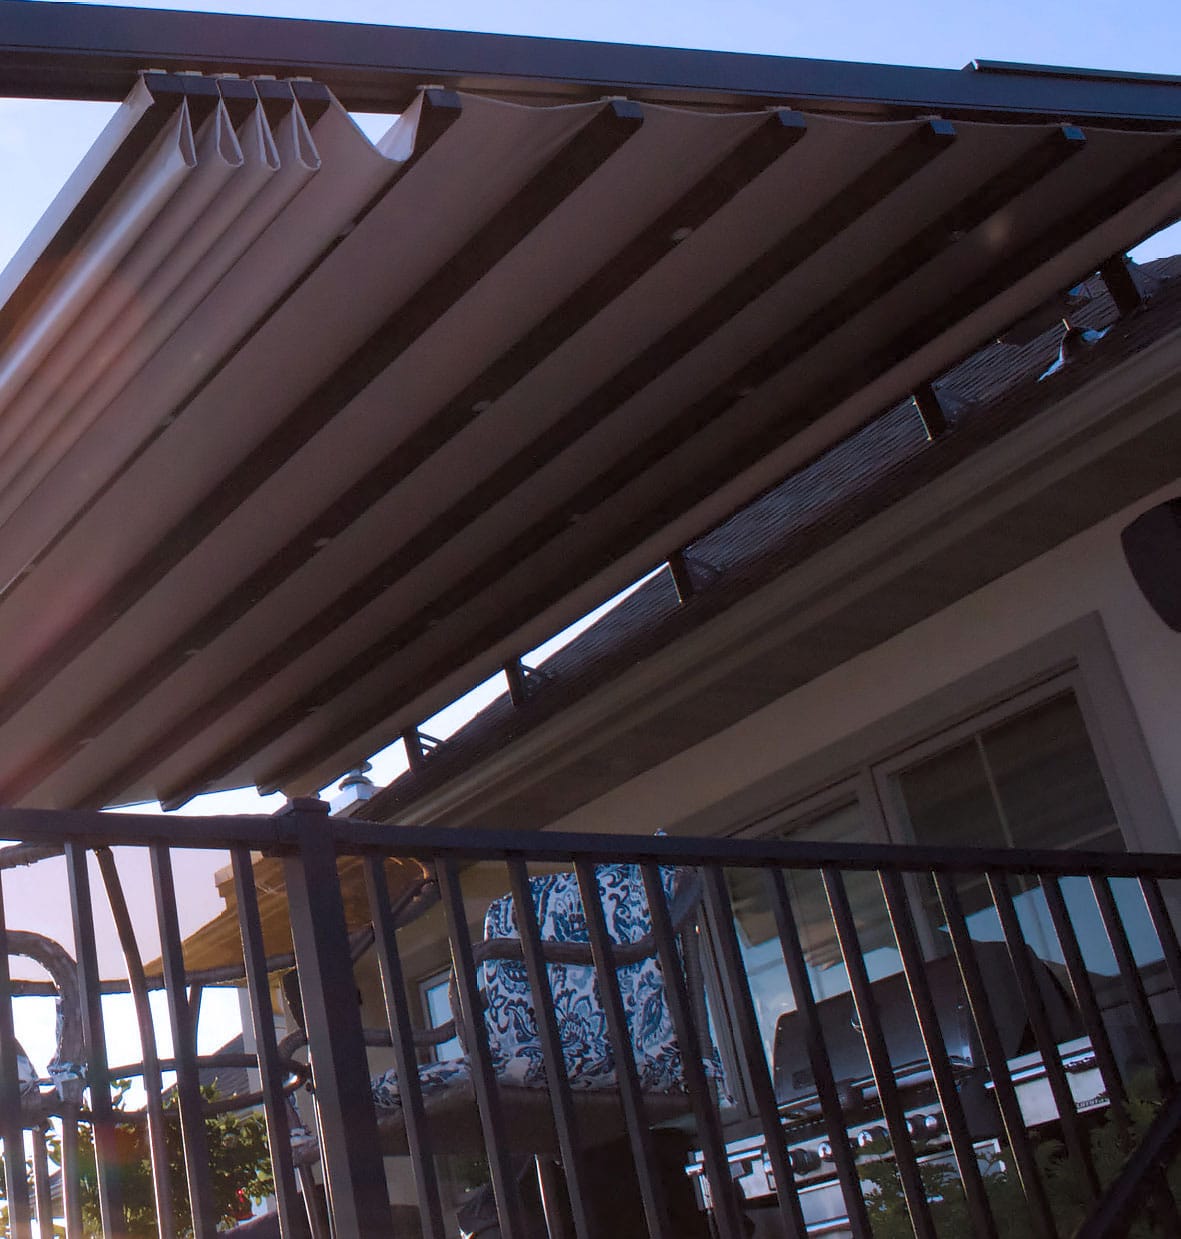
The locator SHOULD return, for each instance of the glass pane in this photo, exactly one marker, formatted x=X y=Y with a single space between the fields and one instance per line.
x=949 y=802
x=437 y=1001
x=759 y=940
x=1048 y=781
x=1030 y=781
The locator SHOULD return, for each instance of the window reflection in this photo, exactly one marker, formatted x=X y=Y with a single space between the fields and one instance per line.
x=1031 y=781
x=759 y=938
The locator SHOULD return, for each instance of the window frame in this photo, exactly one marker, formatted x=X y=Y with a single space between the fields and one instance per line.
x=885 y=773
x=857 y=769
x=427 y=983
x=1077 y=657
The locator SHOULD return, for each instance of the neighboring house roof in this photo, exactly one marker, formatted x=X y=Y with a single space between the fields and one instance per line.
x=217 y=944
x=300 y=438
x=994 y=391
x=230 y=1081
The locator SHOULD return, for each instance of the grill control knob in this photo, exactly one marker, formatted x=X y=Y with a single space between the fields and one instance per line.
x=824 y=1151
x=872 y=1135
x=924 y=1126
x=803 y=1161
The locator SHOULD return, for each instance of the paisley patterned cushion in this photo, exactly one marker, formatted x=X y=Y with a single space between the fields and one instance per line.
x=432 y=1077
x=512 y=1028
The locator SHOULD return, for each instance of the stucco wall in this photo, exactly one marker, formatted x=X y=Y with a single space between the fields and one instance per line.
x=1085 y=575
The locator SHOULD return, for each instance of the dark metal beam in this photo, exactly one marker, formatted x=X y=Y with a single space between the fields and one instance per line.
x=350 y=1153
x=1121 y=284
x=682 y=577
x=416 y=750
x=280 y=834
x=930 y=410
x=517 y=676
x=73 y=51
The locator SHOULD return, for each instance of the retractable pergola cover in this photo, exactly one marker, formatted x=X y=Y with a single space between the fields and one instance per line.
x=300 y=437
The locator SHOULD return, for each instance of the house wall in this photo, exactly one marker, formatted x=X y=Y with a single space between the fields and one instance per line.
x=708 y=788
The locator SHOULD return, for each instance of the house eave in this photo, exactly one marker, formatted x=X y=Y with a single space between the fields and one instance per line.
x=985 y=511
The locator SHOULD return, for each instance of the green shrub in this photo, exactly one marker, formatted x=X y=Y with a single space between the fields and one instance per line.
x=239 y=1162
x=1065 y=1182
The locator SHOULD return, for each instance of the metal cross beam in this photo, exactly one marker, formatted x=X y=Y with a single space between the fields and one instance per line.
x=74 y=51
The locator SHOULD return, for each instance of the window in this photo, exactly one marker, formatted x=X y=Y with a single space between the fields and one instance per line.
x=1031 y=779
x=1033 y=767
x=757 y=935
x=436 y=1009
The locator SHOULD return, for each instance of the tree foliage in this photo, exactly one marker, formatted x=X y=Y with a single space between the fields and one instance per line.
x=239 y=1163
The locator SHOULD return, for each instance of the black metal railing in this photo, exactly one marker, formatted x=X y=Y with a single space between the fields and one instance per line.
x=806 y=1038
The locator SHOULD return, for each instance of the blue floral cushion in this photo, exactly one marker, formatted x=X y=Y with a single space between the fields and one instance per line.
x=582 y=1026
x=512 y=1028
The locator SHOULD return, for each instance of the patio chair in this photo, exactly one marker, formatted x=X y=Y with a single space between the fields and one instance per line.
x=448 y=1095
x=66 y=1070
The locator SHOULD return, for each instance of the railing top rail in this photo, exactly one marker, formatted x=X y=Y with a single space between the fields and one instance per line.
x=759 y=853
x=282 y=832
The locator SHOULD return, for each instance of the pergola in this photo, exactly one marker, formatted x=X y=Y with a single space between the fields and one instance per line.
x=303 y=438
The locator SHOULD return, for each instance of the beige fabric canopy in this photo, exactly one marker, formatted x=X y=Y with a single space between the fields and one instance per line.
x=303 y=436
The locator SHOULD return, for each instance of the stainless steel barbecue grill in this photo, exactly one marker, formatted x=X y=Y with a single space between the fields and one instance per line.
x=809 y=1142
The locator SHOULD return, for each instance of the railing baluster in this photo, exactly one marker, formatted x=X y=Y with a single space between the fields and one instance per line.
x=879 y=1054
x=822 y=1073
x=994 y=1056
x=557 y=1081
x=496 y=1146
x=1084 y=994
x=350 y=1153
x=102 y=1117
x=627 y=1078
x=405 y=1059
x=188 y=1090
x=71 y=1173
x=737 y=986
x=262 y=1017
x=1162 y=922
x=41 y=1186
x=1073 y=1136
x=1117 y=936
x=702 y=1094
x=913 y=964
x=20 y=1218
x=150 y=1061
